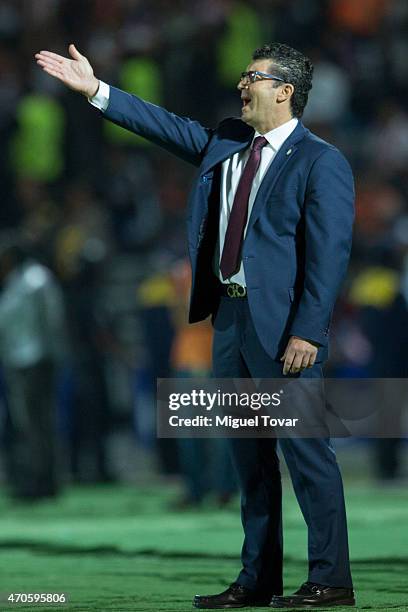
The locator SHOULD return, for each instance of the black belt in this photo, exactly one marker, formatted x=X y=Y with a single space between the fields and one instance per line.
x=233 y=290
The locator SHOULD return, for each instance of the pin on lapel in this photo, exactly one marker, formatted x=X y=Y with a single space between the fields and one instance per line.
x=289 y=151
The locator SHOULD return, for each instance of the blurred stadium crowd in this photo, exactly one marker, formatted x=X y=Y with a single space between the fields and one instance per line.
x=94 y=281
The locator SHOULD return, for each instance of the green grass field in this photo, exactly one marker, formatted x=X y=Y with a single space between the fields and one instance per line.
x=117 y=548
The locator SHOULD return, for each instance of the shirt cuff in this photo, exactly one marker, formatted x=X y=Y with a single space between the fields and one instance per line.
x=101 y=98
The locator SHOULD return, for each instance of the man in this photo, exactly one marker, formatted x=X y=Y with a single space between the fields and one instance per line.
x=269 y=229
x=33 y=345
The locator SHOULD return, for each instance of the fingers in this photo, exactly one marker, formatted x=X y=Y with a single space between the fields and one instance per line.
x=50 y=55
x=312 y=360
x=297 y=363
x=51 y=67
x=73 y=51
x=305 y=362
x=47 y=62
x=52 y=63
x=299 y=355
x=289 y=357
x=55 y=73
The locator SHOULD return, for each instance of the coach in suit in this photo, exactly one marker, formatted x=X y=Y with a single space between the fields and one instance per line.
x=269 y=230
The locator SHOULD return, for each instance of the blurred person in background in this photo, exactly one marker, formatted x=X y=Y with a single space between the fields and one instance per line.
x=155 y=298
x=33 y=346
x=380 y=292
x=81 y=247
x=39 y=215
x=204 y=462
x=280 y=324
x=129 y=188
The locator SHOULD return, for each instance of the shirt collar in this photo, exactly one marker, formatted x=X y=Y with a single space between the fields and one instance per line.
x=277 y=136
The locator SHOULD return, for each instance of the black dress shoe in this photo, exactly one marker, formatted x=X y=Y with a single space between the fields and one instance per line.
x=312 y=595
x=236 y=596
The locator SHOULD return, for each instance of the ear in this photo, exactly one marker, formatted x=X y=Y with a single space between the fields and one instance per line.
x=285 y=92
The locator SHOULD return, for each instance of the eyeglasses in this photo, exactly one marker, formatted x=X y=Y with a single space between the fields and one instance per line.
x=254 y=75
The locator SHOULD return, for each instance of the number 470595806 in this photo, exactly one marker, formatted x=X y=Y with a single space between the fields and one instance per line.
x=34 y=598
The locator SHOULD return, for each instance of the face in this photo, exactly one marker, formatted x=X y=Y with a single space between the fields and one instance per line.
x=260 y=100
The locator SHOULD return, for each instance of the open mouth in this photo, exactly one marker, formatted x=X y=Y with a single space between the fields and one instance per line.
x=245 y=102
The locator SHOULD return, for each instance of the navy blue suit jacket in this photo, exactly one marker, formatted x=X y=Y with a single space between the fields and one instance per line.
x=298 y=239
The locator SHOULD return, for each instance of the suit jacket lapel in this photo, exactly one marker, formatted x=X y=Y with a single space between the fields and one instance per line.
x=285 y=153
x=227 y=146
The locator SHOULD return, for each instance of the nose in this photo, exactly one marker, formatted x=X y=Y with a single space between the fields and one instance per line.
x=241 y=85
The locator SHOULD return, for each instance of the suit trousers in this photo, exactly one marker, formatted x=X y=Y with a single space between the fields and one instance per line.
x=316 y=478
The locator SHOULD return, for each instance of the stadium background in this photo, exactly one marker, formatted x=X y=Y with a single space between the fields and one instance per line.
x=123 y=527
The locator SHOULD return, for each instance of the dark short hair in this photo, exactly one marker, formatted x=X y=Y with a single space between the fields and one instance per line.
x=292 y=66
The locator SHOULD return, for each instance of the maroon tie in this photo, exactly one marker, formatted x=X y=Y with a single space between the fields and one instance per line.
x=230 y=259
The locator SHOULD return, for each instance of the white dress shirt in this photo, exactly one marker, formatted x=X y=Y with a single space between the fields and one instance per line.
x=101 y=98
x=231 y=172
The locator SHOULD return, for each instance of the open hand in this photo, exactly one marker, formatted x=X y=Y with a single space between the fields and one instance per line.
x=299 y=354
x=75 y=73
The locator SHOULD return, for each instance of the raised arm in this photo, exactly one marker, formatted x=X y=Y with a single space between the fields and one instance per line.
x=183 y=137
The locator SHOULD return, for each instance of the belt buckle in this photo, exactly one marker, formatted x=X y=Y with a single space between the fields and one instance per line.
x=236 y=291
